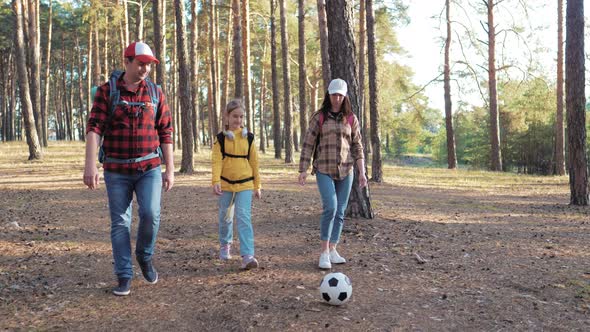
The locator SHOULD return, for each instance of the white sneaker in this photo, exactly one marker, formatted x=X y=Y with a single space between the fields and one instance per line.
x=336 y=258
x=325 y=261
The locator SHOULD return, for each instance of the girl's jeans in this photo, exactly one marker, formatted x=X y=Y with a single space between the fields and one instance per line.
x=148 y=191
x=242 y=212
x=334 y=200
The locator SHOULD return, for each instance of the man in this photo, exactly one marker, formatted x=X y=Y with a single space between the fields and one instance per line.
x=134 y=126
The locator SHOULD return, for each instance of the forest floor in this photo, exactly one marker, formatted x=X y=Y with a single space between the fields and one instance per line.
x=447 y=251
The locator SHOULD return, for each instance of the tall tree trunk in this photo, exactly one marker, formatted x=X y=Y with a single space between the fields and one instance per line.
x=105 y=56
x=451 y=154
x=496 y=157
x=23 y=82
x=139 y=21
x=324 y=44
x=184 y=93
x=214 y=111
x=159 y=13
x=575 y=102
x=195 y=74
x=262 y=139
x=343 y=65
x=226 y=63
x=46 y=94
x=276 y=127
x=376 y=165
x=288 y=118
x=97 y=80
x=559 y=156
x=364 y=116
x=81 y=92
x=237 y=48
x=246 y=57
x=35 y=65
x=89 y=76
x=126 y=21
x=303 y=119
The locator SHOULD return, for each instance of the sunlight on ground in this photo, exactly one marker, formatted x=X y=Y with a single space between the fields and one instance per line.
x=63 y=163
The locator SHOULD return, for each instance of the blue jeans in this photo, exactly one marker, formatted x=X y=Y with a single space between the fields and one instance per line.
x=148 y=191
x=242 y=213
x=334 y=200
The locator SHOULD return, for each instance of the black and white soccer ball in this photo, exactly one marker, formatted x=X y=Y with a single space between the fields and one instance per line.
x=336 y=288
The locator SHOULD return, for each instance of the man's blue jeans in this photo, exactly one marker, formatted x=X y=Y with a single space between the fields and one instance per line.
x=242 y=212
x=148 y=191
x=334 y=195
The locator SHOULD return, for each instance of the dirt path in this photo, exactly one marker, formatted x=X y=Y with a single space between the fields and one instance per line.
x=436 y=258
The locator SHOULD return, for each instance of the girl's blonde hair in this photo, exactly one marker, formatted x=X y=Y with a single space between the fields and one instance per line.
x=230 y=107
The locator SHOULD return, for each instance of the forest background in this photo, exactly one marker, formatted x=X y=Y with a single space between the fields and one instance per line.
x=225 y=49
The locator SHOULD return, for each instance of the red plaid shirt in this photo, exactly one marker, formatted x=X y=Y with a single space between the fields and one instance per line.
x=132 y=131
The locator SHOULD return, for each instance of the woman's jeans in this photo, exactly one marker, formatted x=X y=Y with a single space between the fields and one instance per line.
x=242 y=211
x=334 y=200
x=148 y=192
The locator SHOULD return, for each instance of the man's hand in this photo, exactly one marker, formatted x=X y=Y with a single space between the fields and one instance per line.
x=302 y=178
x=217 y=189
x=167 y=180
x=91 y=178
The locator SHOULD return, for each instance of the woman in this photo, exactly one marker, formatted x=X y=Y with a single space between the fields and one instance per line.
x=334 y=140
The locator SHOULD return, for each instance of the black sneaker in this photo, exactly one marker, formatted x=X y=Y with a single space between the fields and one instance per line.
x=124 y=287
x=149 y=271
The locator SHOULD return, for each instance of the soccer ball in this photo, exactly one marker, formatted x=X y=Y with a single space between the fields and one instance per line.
x=336 y=288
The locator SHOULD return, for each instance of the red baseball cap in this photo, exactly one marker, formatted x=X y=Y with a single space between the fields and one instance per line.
x=141 y=51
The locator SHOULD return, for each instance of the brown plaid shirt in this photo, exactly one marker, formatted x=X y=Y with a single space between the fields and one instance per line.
x=339 y=146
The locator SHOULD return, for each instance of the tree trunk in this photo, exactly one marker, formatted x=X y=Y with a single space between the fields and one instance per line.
x=247 y=65
x=139 y=21
x=363 y=114
x=126 y=21
x=237 y=48
x=34 y=44
x=97 y=80
x=303 y=120
x=214 y=111
x=496 y=157
x=288 y=117
x=46 y=94
x=262 y=139
x=376 y=164
x=576 y=102
x=159 y=13
x=81 y=92
x=23 y=82
x=195 y=74
x=343 y=65
x=451 y=154
x=184 y=92
x=324 y=43
x=226 y=63
x=275 y=82
x=559 y=157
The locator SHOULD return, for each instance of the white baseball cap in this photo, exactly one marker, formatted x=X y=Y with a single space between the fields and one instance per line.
x=337 y=86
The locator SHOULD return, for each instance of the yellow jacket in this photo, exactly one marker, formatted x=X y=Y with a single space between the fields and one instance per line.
x=235 y=168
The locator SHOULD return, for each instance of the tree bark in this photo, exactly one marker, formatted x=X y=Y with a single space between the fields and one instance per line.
x=275 y=82
x=376 y=163
x=184 y=92
x=288 y=116
x=46 y=94
x=159 y=13
x=451 y=154
x=237 y=48
x=576 y=102
x=195 y=75
x=302 y=73
x=496 y=157
x=324 y=44
x=363 y=114
x=214 y=68
x=35 y=65
x=343 y=65
x=247 y=65
x=23 y=82
x=559 y=156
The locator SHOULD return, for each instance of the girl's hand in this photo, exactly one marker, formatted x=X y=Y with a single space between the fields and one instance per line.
x=217 y=189
x=302 y=177
x=258 y=193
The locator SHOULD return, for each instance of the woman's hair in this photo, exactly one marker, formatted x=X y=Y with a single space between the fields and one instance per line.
x=230 y=107
x=346 y=105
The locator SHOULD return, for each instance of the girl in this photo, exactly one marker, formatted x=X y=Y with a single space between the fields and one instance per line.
x=334 y=139
x=235 y=177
